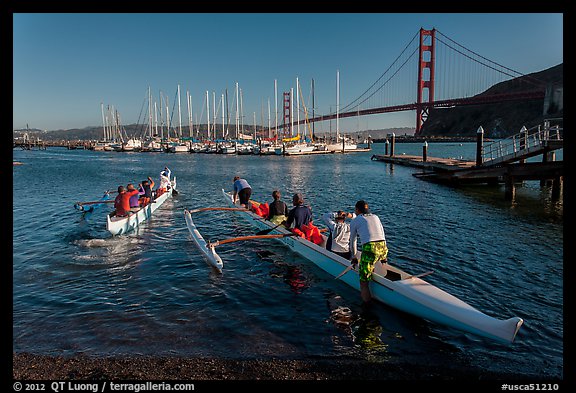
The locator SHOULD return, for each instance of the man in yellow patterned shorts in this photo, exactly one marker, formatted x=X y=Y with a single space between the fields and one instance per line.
x=369 y=228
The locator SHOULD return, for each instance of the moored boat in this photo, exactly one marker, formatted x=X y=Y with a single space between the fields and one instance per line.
x=121 y=225
x=398 y=289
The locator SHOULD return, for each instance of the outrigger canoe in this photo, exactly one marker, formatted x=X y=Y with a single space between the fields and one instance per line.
x=396 y=288
x=121 y=225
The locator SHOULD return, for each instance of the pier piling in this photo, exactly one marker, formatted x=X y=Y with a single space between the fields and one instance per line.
x=479 y=145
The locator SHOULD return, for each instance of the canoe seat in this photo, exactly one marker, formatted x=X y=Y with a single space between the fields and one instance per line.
x=392 y=276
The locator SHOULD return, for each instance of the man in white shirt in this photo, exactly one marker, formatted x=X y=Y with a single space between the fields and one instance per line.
x=373 y=243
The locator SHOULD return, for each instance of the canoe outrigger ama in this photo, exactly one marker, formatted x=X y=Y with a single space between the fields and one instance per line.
x=207 y=249
x=392 y=286
x=120 y=225
x=90 y=208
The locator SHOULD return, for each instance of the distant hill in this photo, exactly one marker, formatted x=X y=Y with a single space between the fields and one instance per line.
x=95 y=133
x=502 y=119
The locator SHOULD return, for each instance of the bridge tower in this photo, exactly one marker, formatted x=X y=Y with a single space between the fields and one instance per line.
x=426 y=61
x=287 y=118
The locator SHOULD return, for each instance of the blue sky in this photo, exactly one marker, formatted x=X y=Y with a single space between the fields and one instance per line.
x=66 y=65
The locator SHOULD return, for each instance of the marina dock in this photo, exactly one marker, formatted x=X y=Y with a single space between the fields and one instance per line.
x=359 y=150
x=503 y=161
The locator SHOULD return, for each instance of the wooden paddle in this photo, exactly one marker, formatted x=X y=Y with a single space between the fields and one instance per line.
x=267 y=231
x=345 y=271
x=94 y=202
x=420 y=275
x=202 y=209
x=251 y=237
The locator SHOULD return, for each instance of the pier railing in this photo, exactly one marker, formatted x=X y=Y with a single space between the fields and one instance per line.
x=524 y=144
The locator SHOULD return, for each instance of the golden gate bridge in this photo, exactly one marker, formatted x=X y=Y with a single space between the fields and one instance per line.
x=433 y=71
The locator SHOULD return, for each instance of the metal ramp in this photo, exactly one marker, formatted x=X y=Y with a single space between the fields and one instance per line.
x=528 y=143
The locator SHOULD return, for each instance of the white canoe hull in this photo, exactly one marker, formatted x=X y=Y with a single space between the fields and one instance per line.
x=403 y=291
x=208 y=252
x=121 y=225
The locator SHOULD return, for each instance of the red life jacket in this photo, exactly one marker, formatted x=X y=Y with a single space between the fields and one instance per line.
x=309 y=232
x=264 y=209
x=260 y=208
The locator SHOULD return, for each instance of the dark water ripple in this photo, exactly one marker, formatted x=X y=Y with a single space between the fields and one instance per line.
x=76 y=289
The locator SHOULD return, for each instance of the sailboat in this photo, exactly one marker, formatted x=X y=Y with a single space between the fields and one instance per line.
x=151 y=142
x=342 y=143
x=179 y=146
x=296 y=144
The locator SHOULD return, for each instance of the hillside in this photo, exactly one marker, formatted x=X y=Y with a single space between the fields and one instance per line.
x=500 y=119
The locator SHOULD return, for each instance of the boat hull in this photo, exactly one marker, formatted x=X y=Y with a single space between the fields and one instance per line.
x=402 y=291
x=121 y=225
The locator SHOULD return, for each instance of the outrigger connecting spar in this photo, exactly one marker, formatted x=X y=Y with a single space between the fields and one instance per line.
x=390 y=285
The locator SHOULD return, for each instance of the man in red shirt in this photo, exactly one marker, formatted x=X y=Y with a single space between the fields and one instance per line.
x=122 y=201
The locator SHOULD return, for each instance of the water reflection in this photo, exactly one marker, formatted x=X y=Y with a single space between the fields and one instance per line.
x=367 y=331
x=363 y=327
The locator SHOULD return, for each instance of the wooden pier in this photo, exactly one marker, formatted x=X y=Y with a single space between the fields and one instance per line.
x=499 y=162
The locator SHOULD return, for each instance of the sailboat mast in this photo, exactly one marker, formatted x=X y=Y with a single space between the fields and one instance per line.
x=237 y=112
x=298 y=106
x=208 y=112
x=223 y=136
x=150 y=119
x=241 y=113
x=103 y=121
x=313 y=116
x=269 y=129
x=227 y=114
x=292 y=111
x=155 y=119
x=161 y=116
x=179 y=115
x=276 y=106
x=189 y=112
x=337 y=105
x=167 y=117
x=214 y=113
x=107 y=123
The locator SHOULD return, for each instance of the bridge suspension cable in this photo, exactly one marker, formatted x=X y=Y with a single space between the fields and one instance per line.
x=514 y=75
x=355 y=102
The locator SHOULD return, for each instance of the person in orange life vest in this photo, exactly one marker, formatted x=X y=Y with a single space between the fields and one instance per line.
x=145 y=191
x=122 y=201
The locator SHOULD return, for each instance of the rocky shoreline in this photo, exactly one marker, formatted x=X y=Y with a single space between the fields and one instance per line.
x=145 y=368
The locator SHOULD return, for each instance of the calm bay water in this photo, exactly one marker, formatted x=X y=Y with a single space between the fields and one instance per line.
x=77 y=290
